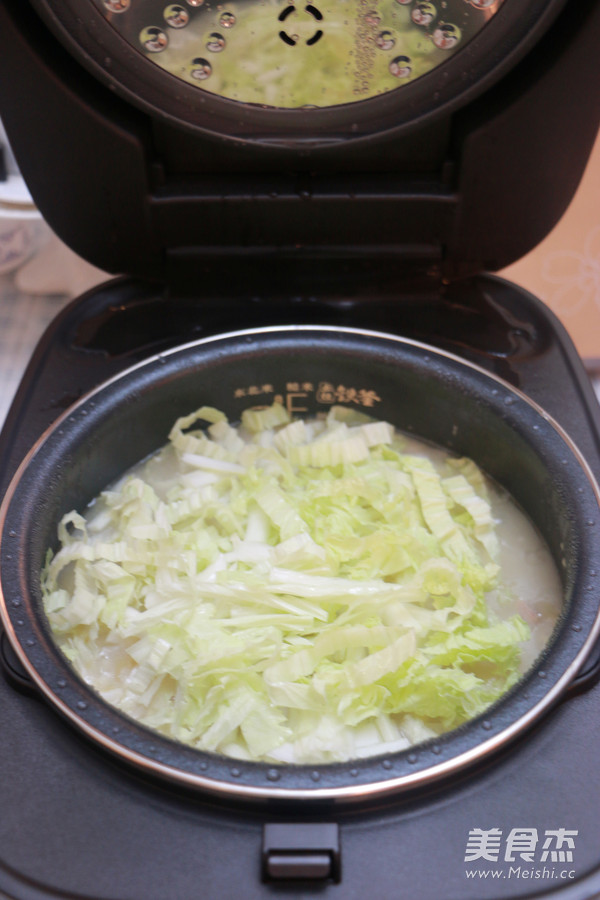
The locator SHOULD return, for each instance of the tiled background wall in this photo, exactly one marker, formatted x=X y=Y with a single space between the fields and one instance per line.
x=564 y=270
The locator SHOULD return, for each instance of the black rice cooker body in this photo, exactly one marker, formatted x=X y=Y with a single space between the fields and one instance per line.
x=132 y=190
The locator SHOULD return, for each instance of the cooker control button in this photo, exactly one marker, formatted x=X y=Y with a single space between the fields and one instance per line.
x=301 y=851
x=282 y=866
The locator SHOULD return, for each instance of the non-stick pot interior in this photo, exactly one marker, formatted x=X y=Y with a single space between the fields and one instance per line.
x=419 y=390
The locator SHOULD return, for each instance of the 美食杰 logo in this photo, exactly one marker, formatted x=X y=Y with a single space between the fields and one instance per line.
x=526 y=853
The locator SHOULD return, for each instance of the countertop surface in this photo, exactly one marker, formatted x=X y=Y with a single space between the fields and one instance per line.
x=23 y=319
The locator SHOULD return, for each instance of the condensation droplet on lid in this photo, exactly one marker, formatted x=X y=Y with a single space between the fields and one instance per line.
x=541 y=674
x=354 y=772
x=316 y=776
x=20 y=622
x=12 y=533
x=436 y=749
x=176 y=15
x=509 y=401
x=385 y=40
x=423 y=13
x=61 y=683
x=487 y=725
x=236 y=773
x=30 y=642
x=412 y=758
x=227 y=20
x=576 y=627
x=16 y=603
x=81 y=704
x=590 y=522
x=117 y=6
x=200 y=69
x=195 y=2
x=273 y=775
x=215 y=43
x=387 y=764
x=446 y=36
x=401 y=67
x=153 y=39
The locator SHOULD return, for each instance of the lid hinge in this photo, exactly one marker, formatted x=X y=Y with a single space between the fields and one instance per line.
x=389 y=219
x=280 y=273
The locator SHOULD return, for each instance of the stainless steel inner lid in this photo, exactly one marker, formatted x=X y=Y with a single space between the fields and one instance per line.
x=291 y=53
x=297 y=71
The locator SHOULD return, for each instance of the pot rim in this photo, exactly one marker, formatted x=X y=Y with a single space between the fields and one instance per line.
x=388 y=784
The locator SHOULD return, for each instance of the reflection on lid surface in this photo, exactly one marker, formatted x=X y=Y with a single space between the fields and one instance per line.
x=287 y=55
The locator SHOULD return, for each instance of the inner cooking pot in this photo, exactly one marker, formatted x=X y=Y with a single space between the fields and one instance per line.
x=435 y=395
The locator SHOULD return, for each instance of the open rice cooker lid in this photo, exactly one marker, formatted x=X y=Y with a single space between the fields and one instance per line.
x=420 y=131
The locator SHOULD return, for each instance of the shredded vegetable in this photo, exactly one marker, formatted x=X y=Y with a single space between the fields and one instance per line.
x=291 y=591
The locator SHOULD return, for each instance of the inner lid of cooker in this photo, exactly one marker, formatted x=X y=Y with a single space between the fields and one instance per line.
x=297 y=128
x=289 y=54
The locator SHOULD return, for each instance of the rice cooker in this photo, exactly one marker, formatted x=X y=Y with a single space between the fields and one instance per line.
x=303 y=202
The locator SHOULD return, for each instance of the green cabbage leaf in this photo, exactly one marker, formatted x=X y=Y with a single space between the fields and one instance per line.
x=290 y=591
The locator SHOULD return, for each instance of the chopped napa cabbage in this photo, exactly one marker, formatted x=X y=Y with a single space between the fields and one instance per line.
x=293 y=591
